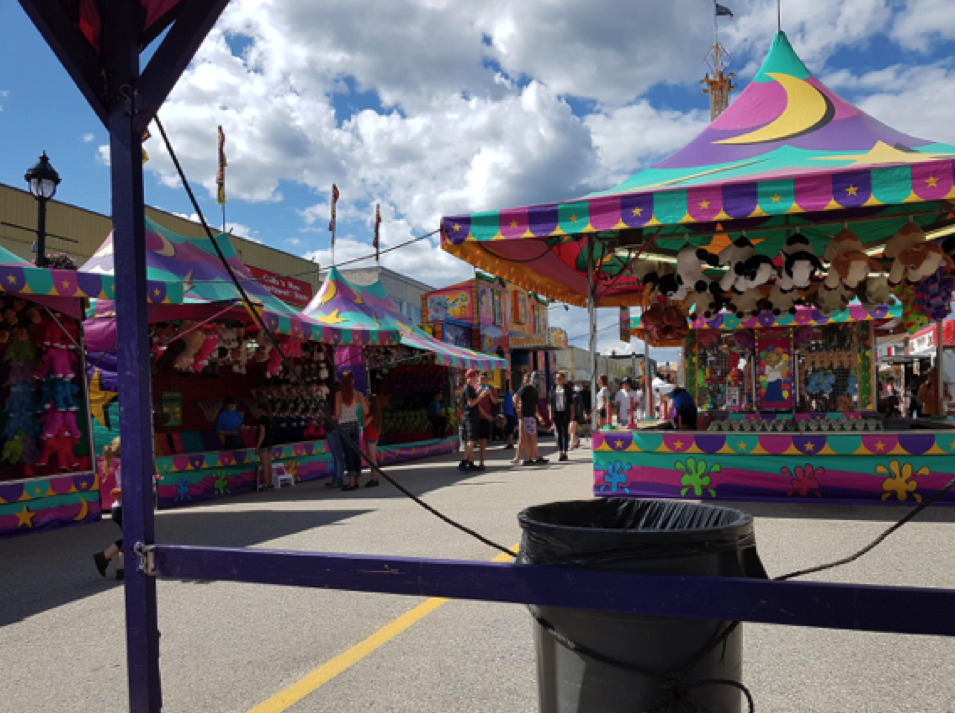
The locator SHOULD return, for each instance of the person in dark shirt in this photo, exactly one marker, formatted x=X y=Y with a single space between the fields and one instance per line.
x=229 y=426
x=471 y=399
x=439 y=424
x=684 y=408
x=528 y=401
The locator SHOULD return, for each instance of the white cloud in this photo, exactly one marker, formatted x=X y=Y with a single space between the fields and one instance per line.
x=293 y=241
x=922 y=22
x=237 y=229
x=88 y=138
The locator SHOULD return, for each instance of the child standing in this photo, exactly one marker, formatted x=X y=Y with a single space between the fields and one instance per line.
x=111 y=465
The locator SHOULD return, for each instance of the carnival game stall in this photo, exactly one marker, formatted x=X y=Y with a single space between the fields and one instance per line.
x=47 y=478
x=207 y=348
x=791 y=198
x=404 y=365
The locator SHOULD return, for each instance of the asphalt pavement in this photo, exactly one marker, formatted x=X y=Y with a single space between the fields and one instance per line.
x=230 y=648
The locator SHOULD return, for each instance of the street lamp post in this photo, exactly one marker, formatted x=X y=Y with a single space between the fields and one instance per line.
x=43 y=180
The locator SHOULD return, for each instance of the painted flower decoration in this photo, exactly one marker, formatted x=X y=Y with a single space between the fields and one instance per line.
x=291 y=467
x=805 y=480
x=902 y=480
x=182 y=490
x=615 y=477
x=695 y=476
x=221 y=482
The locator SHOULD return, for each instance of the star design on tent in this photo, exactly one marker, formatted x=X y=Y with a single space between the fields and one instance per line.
x=456 y=228
x=637 y=211
x=513 y=223
x=332 y=318
x=741 y=446
x=25 y=517
x=883 y=153
x=810 y=447
x=880 y=446
x=776 y=198
x=704 y=204
x=932 y=181
x=573 y=218
x=852 y=190
x=12 y=279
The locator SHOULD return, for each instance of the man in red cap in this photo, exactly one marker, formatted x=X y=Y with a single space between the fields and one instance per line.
x=471 y=406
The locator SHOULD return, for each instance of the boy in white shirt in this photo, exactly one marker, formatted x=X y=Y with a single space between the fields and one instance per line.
x=623 y=401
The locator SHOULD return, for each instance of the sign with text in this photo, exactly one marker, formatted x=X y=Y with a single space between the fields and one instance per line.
x=171 y=408
x=288 y=289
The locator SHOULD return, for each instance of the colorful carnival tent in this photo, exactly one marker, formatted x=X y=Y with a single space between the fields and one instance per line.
x=365 y=314
x=187 y=280
x=789 y=152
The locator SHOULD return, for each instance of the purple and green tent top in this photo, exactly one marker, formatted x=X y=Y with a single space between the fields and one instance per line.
x=19 y=277
x=365 y=315
x=787 y=152
x=186 y=275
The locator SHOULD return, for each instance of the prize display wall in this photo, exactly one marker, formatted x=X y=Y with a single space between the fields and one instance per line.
x=47 y=477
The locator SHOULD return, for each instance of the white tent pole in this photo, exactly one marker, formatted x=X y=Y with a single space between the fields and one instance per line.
x=592 y=318
x=648 y=412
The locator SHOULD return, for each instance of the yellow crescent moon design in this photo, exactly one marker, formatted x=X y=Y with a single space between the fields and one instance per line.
x=807 y=109
x=168 y=249
x=328 y=292
x=84 y=510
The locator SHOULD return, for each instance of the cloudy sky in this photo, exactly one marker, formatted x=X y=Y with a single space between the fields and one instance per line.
x=433 y=107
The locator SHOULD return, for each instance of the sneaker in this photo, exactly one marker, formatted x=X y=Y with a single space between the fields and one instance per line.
x=541 y=461
x=477 y=467
x=509 y=447
x=463 y=465
x=120 y=575
x=101 y=563
x=529 y=462
x=372 y=484
x=349 y=487
x=563 y=457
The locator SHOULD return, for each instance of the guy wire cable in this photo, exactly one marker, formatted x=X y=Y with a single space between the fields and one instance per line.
x=294 y=374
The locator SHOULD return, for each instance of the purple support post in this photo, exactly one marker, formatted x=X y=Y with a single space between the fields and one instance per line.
x=121 y=48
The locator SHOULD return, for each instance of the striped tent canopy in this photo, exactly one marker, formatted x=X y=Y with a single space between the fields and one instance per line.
x=365 y=315
x=788 y=152
x=19 y=277
x=185 y=271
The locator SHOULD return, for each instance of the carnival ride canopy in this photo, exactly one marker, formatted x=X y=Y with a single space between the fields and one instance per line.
x=788 y=153
x=188 y=281
x=365 y=315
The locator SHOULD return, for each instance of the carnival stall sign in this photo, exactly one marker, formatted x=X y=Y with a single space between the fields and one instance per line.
x=47 y=479
x=795 y=221
x=205 y=349
x=398 y=361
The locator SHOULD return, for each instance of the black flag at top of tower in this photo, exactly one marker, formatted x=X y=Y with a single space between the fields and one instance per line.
x=722 y=10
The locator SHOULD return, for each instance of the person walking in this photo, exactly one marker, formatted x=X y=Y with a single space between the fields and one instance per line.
x=439 y=424
x=603 y=401
x=372 y=428
x=111 y=465
x=529 y=403
x=348 y=405
x=486 y=405
x=623 y=402
x=471 y=399
x=562 y=409
x=510 y=415
x=264 y=441
x=333 y=440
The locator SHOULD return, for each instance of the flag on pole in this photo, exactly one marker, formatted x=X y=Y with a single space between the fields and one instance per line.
x=722 y=10
x=377 y=227
x=146 y=137
x=331 y=222
x=220 y=175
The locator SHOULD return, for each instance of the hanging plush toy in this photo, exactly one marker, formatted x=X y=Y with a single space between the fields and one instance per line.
x=746 y=303
x=802 y=337
x=239 y=357
x=912 y=318
x=210 y=344
x=734 y=258
x=14 y=447
x=273 y=367
x=907 y=237
x=192 y=341
x=20 y=407
x=690 y=262
x=844 y=241
x=757 y=271
x=933 y=295
x=828 y=301
x=64 y=395
x=874 y=292
x=62 y=446
x=850 y=269
x=800 y=263
x=923 y=260
x=58 y=362
x=781 y=301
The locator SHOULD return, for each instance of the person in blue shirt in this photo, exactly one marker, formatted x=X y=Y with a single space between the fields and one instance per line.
x=684 y=408
x=439 y=424
x=511 y=415
x=229 y=426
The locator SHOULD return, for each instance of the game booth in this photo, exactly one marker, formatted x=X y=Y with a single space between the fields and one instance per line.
x=401 y=364
x=47 y=478
x=206 y=347
x=770 y=247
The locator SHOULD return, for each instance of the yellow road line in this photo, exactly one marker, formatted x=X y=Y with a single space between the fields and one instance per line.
x=311 y=682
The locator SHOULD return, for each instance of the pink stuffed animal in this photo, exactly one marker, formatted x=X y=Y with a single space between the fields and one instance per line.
x=210 y=344
x=274 y=365
x=53 y=422
x=62 y=445
x=58 y=362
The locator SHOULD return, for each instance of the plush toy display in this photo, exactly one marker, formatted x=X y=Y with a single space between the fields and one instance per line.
x=933 y=295
x=20 y=407
x=746 y=303
x=210 y=343
x=850 y=269
x=781 y=301
x=690 y=262
x=757 y=271
x=923 y=260
x=57 y=362
x=828 y=301
x=800 y=264
x=14 y=447
x=734 y=259
x=273 y=367
x=907 y=237
x=844 y=241
x=61 y=445
x=64 y=395
x=875 y=292
x=193 y=341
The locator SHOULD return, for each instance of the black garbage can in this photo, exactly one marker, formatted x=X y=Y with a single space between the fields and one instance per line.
x=647 y=537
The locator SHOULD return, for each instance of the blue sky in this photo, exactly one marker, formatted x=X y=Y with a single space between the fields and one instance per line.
x=434 y=108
